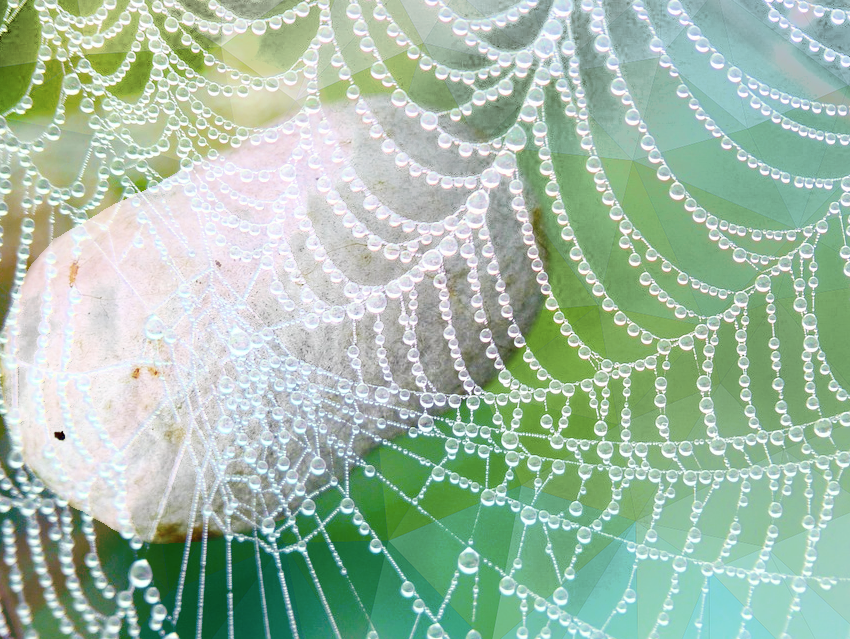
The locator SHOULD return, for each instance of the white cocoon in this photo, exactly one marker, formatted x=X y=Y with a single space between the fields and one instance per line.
x=186 y=355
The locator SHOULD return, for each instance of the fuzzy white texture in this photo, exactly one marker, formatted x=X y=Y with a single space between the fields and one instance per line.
x=130 y=426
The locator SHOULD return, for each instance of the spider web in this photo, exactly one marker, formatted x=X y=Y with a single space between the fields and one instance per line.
x=662 y=455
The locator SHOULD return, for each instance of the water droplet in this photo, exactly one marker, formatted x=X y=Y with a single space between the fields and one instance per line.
x=42 y=186
x=562 y=8
x=799 y=585
x=478 y=202
x=762 y=283
x=677 y=191
x=428 y=121
x=308 y=507
x=226 y=385
x=154 y=328
x=490 y=178
x=544 y=48
x=717 y=446
x=267 y=525
x=274 y=230
x=823 y=427
x=528 y=515
x=78 y=189
x=71 y=84
x=507 y=586
x=717 y=61
x=448 y=246
x=811 y=344
x=432 y=260
x=376 y=303
x=141 y=574
x=602 y=43
x=505 y=163
x=560 y=596
x=160 y=61
x=240 y=342
x=510 y=440
x=515 y=138
x=467 y=561
x=318 y=466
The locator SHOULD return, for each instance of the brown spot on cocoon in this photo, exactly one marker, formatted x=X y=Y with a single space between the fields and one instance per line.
x=173 y=533
x=175 y=434
x=138 y=371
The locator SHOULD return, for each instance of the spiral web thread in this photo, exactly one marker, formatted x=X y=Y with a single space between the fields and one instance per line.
x=636 y=498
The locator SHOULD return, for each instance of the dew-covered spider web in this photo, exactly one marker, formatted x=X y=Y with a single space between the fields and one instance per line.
x=618 y=286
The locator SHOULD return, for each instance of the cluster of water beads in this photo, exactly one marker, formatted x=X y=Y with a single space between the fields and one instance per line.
x=797 y=35
x=642 y=460
x=736 y=77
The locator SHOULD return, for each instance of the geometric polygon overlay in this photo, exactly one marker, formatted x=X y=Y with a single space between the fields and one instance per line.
x=660 y=453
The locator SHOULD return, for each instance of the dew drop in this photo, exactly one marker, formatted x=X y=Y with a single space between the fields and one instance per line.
x=428 y=121
x=507 y=586
x=267 y=525
x=154 y=328
x=408 y=589
x=141 y=574
x=515 y=138
x=240 y=342
x=717 y=61
x=435 y=631
x=376 y=303
x=71 y=84
x=478 y=202
x=560 y=596
x=467 y=561
x=677 y=191
x=528 y=516
x=510 y=440
x=308 y=507
x=432 y=260
x=505 y=163
x=225 y=425
x=544 y=48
